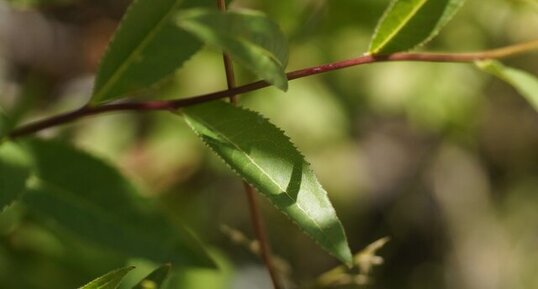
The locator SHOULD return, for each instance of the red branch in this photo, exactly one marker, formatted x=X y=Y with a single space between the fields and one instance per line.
x=179 y=103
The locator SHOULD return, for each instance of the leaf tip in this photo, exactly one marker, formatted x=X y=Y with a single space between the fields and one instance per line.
x=283 y=86
x=346 y=257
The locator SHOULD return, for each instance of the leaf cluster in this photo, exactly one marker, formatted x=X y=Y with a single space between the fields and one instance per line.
x=92 y=200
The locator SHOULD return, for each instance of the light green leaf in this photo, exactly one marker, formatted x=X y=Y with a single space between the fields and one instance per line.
x=110 y=280
x=525 y=83
x=14 y=171
x=92 y=200
x=155 y=279
x=146 y=48
x=249 y=37
x=407 y=24
x=265 y=157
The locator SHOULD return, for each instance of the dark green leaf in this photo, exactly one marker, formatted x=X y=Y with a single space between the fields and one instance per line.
x=525 y=83
x=14 y=171
x=110 y=280
x=146 y=48
x=94 y=201
x=4 y=124
x=265 y=157
x=155 y=279
x=407 y=24
x=249 y=37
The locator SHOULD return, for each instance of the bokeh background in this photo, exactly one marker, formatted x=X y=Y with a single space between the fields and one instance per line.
x=441 y=158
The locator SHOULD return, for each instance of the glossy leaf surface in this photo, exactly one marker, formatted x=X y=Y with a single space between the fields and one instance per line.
x=525 y=83
x=407 y=24
x=110 y=280
x=92 y=200
x=249 y=37
x=146 y=48
x=14 y=171
x=265 y=157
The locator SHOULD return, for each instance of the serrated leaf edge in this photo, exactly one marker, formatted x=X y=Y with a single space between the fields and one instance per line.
x=97 y=95
x=283 y=190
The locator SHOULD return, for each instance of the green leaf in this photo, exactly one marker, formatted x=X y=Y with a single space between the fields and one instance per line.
x=265 y=157
x=155 y=279
x=407 y=24
x=110 y=280
x=14 y=171
x=249 y=37
x=146 y=48
x=92 y=200
x=525 y=83
x=4 y=125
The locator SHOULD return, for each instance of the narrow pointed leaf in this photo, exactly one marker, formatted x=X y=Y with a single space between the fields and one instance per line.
x=249 y=37
x=265 y=157
x=525 y=83
x=146 y=48
x=14 y=171
x=110 y=280
x=407 y=24
x=92 y=200
x=155 y=279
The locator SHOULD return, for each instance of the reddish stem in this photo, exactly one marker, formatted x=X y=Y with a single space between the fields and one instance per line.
x=255 y=214
x=179 y=103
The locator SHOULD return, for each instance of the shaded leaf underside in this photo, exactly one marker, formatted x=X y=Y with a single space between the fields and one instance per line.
x=14 y=171
x=95 y=202
x=249 y=37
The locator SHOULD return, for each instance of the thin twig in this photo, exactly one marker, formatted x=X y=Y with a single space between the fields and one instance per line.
x=261 y=235
x=255 y=214
x=361 y=60
x=228 y=64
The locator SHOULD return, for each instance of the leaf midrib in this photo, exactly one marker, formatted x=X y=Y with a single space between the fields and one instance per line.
x=401 y=26
x=266 y=174
x=136 y=52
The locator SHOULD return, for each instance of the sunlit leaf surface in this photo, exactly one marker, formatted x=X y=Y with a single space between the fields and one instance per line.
x=407 y=24
x=265 y=157
x=146 y=48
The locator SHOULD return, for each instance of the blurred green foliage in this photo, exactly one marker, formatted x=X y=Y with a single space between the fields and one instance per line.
x=440 y=157
x=37 y=3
